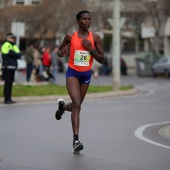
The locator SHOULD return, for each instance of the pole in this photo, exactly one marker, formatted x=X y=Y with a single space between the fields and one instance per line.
x=18 y=34
x=116 y=45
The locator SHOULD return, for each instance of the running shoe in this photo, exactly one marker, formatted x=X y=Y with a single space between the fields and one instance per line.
x=77 y=146
x=60 y=110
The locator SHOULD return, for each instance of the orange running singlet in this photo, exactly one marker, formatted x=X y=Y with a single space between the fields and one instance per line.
x=80 y=59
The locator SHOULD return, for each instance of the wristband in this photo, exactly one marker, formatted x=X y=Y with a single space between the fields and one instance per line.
x=93 y=52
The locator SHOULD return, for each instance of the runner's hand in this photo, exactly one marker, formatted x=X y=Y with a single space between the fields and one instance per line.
x=64 y=51
x=87 y=44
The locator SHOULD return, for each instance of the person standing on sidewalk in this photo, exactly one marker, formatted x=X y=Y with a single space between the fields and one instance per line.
x=10 y=54
x=36 y=65
x=54 y=63
x=84 y=47
x=29 y=57
x=46 y=60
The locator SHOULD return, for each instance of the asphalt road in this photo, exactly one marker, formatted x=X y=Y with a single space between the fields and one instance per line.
x=119 y=133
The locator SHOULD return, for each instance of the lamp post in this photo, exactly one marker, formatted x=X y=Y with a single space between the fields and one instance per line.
x=116 y=45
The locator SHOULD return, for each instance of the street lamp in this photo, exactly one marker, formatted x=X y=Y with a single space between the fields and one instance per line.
x=116 y=45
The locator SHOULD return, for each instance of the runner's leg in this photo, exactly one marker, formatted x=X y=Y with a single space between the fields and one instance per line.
x=77 y=93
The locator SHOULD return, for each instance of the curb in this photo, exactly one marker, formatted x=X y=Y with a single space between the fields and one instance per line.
x=66 y=97
x=165 y=132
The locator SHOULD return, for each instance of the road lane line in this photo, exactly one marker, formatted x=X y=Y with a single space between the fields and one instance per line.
x=149 y=93
x=139 y=134
x=148 y=101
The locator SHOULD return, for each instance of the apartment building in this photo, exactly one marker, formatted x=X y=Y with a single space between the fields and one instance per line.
x=4 y=3
x=26 y=2
x=105 y=8
x=7 y=3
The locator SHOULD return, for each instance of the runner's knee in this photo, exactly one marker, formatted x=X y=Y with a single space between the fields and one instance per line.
x=76 y=104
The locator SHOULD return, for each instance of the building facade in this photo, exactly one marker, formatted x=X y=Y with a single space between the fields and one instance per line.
x=26 y=2
x=7 y=3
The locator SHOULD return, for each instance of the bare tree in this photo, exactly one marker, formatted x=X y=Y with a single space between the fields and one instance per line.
x=156 y=15
x=135 y=15
x=51 y=16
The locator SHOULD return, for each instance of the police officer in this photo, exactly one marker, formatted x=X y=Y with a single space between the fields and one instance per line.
x=10 y=54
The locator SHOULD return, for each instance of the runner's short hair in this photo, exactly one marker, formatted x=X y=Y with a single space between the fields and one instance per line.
x=80 y=13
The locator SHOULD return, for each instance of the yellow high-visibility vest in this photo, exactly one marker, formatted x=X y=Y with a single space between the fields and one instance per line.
x=6 y=47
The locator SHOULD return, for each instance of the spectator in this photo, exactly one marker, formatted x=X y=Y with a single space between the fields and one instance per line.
x=46 y=60
x=42 y=50
x=54 y=63
x=29 y=57
x=36 y=64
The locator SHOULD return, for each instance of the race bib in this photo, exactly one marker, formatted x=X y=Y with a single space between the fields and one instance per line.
x=82 y=58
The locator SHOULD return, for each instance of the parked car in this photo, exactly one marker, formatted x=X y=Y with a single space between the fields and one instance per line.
x=106 y=68
x=161 y=67
x=144 y=62
x=123 y=66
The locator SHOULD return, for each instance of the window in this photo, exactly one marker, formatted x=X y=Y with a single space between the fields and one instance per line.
x=1 y=3
x=4 y=3
x=18 y=2
x=36 y=2
x=26 y=2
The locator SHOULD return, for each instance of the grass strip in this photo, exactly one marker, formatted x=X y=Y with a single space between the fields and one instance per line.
x=52 y=89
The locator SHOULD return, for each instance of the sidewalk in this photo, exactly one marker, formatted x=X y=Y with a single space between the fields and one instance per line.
x=165 y=132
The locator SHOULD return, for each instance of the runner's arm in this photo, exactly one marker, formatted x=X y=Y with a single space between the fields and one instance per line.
x=99 y=56
x=63 y=49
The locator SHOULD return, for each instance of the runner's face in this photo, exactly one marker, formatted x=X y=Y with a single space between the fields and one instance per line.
x=85 y=21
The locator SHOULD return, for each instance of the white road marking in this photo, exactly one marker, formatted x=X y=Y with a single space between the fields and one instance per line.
x=149 y=93
x=148 y=101
x=139 y=134
x=110 y=102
